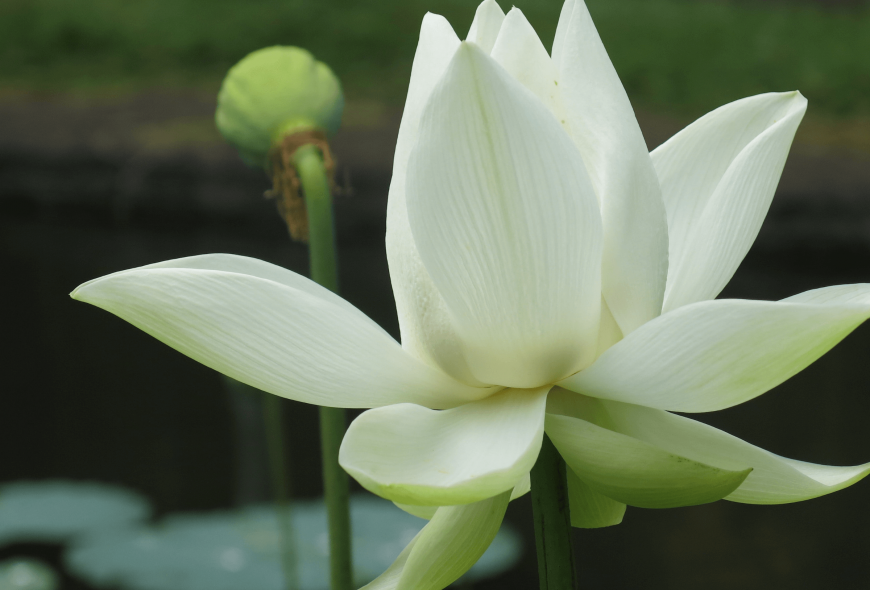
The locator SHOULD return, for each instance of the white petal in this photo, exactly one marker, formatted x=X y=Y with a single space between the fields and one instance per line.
x=589 y=509
x=274 y=330
x=519 y=51
x=562 y=28
x=634 y=472
x=608 y=332
x=506 y=223
x=427 y=512
x=486 y=24
x=603 y=125
x=446 y=548
x=774 y=479
x=425 y=325
x=248 y=266
x=413 y=455
x=716 y=354
x=856 y=294
x=718 y=176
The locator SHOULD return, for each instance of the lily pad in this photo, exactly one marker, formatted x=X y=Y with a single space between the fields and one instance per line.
x=27 y=574
x=239 y=550
x=56 y=510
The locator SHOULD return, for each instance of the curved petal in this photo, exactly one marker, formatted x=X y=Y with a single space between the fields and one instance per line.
x=413 y=455
x=718 y=176
x=506 y=223
x=446 y=548
x=603 y=125
x=522 y=488
x=426 y=328
x=485 y=27
x=562 y=28
x=634 y=472
x=774 y=479
x=253 y=267
x=589 y=509
x=608 y=332
x=273 y=330
x=424 y=512
x=857 y=294
x=519 y=51
x=716 y=354
x=427 y=512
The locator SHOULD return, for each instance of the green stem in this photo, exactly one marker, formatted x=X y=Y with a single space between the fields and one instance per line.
x=556 y=569
x=318 y=204
x=280 y=487
x=335 y=484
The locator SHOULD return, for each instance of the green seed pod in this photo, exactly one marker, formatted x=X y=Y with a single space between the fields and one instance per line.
x=273 y=92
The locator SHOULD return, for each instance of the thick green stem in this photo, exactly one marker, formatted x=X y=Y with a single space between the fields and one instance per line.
x=321 y=242
x=280 y=487
x=335 y=484
x=556 y=569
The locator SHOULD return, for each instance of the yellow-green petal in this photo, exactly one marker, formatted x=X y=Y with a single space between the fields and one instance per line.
x=634 y=472
x=446 y=548
x=427 y=512
x=774 y=479
x=589 y=509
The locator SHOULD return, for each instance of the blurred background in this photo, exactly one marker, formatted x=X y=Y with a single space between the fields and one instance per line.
x=109 y=159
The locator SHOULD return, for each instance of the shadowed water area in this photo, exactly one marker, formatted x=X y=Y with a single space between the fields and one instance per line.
x=92 y=187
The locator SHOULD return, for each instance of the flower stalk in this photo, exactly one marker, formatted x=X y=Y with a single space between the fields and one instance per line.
x=556 y=569
x=314 y=180
x=280 y=487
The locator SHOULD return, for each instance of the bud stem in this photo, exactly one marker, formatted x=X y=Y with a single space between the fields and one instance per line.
x=556 y=570
x=309 y=164
x=318 y=205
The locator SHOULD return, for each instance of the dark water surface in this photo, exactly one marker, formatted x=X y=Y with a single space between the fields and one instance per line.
x=87 y=396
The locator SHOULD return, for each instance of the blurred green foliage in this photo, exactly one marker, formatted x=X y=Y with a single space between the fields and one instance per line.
x=680 y=55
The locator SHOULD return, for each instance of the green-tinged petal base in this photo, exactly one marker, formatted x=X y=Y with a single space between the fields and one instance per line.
x=447 y=547
x=774 y=479
x=412 y=455
x=427 y=512
x=589 y=509
x=634 y=472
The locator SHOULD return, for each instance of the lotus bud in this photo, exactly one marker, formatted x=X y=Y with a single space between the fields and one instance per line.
x=274 y=92
x=274 y=101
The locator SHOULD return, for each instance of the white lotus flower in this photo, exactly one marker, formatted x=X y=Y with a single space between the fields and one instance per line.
x=529 y=235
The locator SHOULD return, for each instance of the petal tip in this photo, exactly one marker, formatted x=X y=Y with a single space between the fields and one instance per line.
x=801 y=98
x=79 y=293
x=796 y=101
